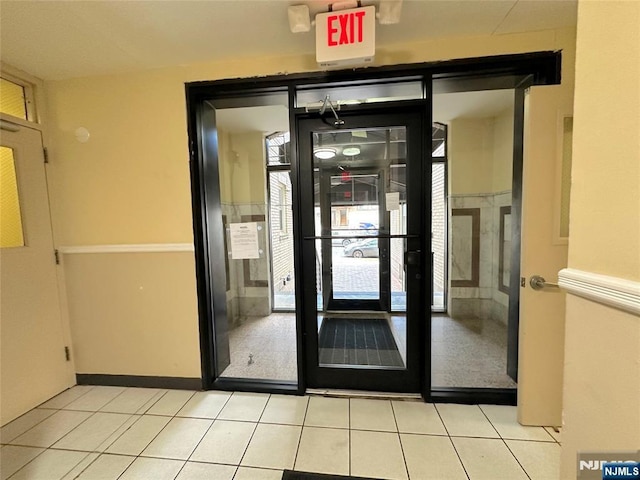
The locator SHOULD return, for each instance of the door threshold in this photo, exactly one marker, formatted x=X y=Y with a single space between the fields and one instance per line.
x=335 y=393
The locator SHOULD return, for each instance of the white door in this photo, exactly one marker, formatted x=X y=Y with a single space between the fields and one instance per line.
x=33 y=363
x=544 y=253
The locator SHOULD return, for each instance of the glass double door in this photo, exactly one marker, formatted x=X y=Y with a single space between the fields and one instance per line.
x=363 y=218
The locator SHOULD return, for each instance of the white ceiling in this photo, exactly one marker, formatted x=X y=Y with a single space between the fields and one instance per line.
x=63 y=39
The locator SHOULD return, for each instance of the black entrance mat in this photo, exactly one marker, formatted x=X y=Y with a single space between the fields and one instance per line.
x=291 y=475
x=358 y=341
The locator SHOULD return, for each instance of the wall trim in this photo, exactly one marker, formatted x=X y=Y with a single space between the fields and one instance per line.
x=612 y=291
x=172 y=383
x=133 y=248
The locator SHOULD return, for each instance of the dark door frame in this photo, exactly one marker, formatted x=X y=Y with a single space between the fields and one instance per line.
x=202 y=98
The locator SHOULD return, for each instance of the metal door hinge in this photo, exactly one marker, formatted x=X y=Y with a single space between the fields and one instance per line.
x=67 y=354
x=46 y=154
x=56 y=255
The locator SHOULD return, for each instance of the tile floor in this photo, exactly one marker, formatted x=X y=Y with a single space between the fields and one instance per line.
x=465 y=353
x=106 y=433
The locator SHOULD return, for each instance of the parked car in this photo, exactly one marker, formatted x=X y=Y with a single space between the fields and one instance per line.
x=362 y=248
x=341 y=239
x=342 y=236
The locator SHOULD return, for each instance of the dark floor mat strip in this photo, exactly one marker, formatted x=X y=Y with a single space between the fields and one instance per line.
x=359 y=341
x=291 y=475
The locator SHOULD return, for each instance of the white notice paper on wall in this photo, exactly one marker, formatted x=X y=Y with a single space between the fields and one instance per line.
x=244 y=240
x=393 y=201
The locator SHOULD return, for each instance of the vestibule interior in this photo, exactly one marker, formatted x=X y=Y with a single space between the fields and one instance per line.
x=255 y=189
x=470 y=337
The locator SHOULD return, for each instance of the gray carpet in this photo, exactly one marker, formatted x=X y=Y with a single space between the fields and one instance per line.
x=358 y=341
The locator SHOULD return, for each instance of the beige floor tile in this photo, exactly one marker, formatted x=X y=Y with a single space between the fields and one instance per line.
x=82 y=466
x=23 y=423
x=249 y=473
x=131 y=400
x=377 y=454
x=247 y=407
x=557 y=436
x=323 y=450
x=89 y=435
x=328 y=412
x=179 y=439
x=118 y=433
x=488 y=459
x=170 y=403
x=372 y=415
x=504 y=418
x=273 y=446
x=225 y=442
x=418 y=417
x=106 y=467
x=50 y=465
x=466 y=421
x=204 y=405
x=206 y=471
x=540 y=460
x=95 y=399
x=285 y=410
x=65 y=398
x=139 y=435
x=430 y=457
x=152 y=469
x=52 y=429
x=13 y=458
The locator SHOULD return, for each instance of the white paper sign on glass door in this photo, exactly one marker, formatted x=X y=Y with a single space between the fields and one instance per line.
x=393 y=201
x=244 y=240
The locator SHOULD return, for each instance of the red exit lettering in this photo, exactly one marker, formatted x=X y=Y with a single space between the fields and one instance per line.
x=348 y=26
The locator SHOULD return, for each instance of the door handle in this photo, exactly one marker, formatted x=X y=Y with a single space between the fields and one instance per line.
x=413 y=258
x=538 y=282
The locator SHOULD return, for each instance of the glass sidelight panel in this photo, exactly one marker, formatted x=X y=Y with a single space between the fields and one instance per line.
x=256 y=209
x=469 y=337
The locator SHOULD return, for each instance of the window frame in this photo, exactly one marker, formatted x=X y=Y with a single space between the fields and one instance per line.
x=29 y=98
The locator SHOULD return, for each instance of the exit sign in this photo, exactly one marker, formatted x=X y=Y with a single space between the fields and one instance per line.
x=346 y=37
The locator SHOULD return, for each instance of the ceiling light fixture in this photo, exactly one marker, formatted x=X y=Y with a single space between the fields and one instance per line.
x=351 y=151
x=325 y=153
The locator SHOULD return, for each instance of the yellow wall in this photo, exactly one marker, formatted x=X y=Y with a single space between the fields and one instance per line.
x=481 y=154
x=130 y=184
x=134 y=313
x=470 y=156
x=602 y=351
x=503 y=151
x=246 y=168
